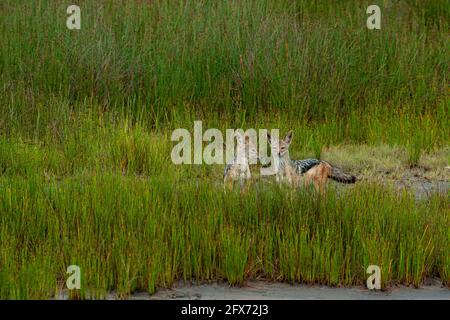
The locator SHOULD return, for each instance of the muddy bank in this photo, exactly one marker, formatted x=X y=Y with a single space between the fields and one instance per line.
x=266 y=290
x=263 y=290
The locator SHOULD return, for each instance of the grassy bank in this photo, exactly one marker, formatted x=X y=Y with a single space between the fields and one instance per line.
x=171 y=61
x=131 y=234
x=86 y=118
x=110 y=200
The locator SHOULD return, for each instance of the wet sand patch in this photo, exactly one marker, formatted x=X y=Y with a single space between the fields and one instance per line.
x=282 y=291
x=264 y=290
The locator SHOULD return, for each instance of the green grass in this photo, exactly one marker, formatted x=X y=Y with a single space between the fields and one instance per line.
x=86 y=118
x=111 y=201
x=172 y=61
x=131 y=234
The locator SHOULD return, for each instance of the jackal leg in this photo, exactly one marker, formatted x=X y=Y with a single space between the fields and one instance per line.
x=227 y=184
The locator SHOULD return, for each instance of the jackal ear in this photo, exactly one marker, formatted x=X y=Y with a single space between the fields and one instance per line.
x=288 y=137
x=246 y=139
x=238 y=137
x=269 y=137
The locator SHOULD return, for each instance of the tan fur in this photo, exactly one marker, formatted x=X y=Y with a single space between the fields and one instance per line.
x=228 y=182
x=290 y=175
x=240 y=170
x=318 y=175
x=234 y=175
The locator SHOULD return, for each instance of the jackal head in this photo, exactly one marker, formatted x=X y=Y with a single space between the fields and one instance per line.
x=246 y=148
x=279 y=147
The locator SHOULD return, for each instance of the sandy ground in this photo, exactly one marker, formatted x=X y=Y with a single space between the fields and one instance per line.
x=261 y=290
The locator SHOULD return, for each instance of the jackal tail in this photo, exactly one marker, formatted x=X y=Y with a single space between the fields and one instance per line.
x=340 y=176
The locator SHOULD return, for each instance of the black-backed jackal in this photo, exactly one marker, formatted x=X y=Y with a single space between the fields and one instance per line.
x=311 y=170
x=238 y=169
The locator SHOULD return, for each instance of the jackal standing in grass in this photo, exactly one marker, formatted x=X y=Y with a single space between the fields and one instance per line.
x=312 y=170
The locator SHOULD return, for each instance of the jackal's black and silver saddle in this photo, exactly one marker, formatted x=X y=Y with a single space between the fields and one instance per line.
x=304 y=165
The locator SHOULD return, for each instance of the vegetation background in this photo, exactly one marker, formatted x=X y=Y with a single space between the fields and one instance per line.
x=86 y=119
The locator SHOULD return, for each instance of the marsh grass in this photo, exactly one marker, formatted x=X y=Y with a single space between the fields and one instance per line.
x=86 y=118
x=151 y=223
x=131 y=234
x=168 y=61
x=105 y=195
